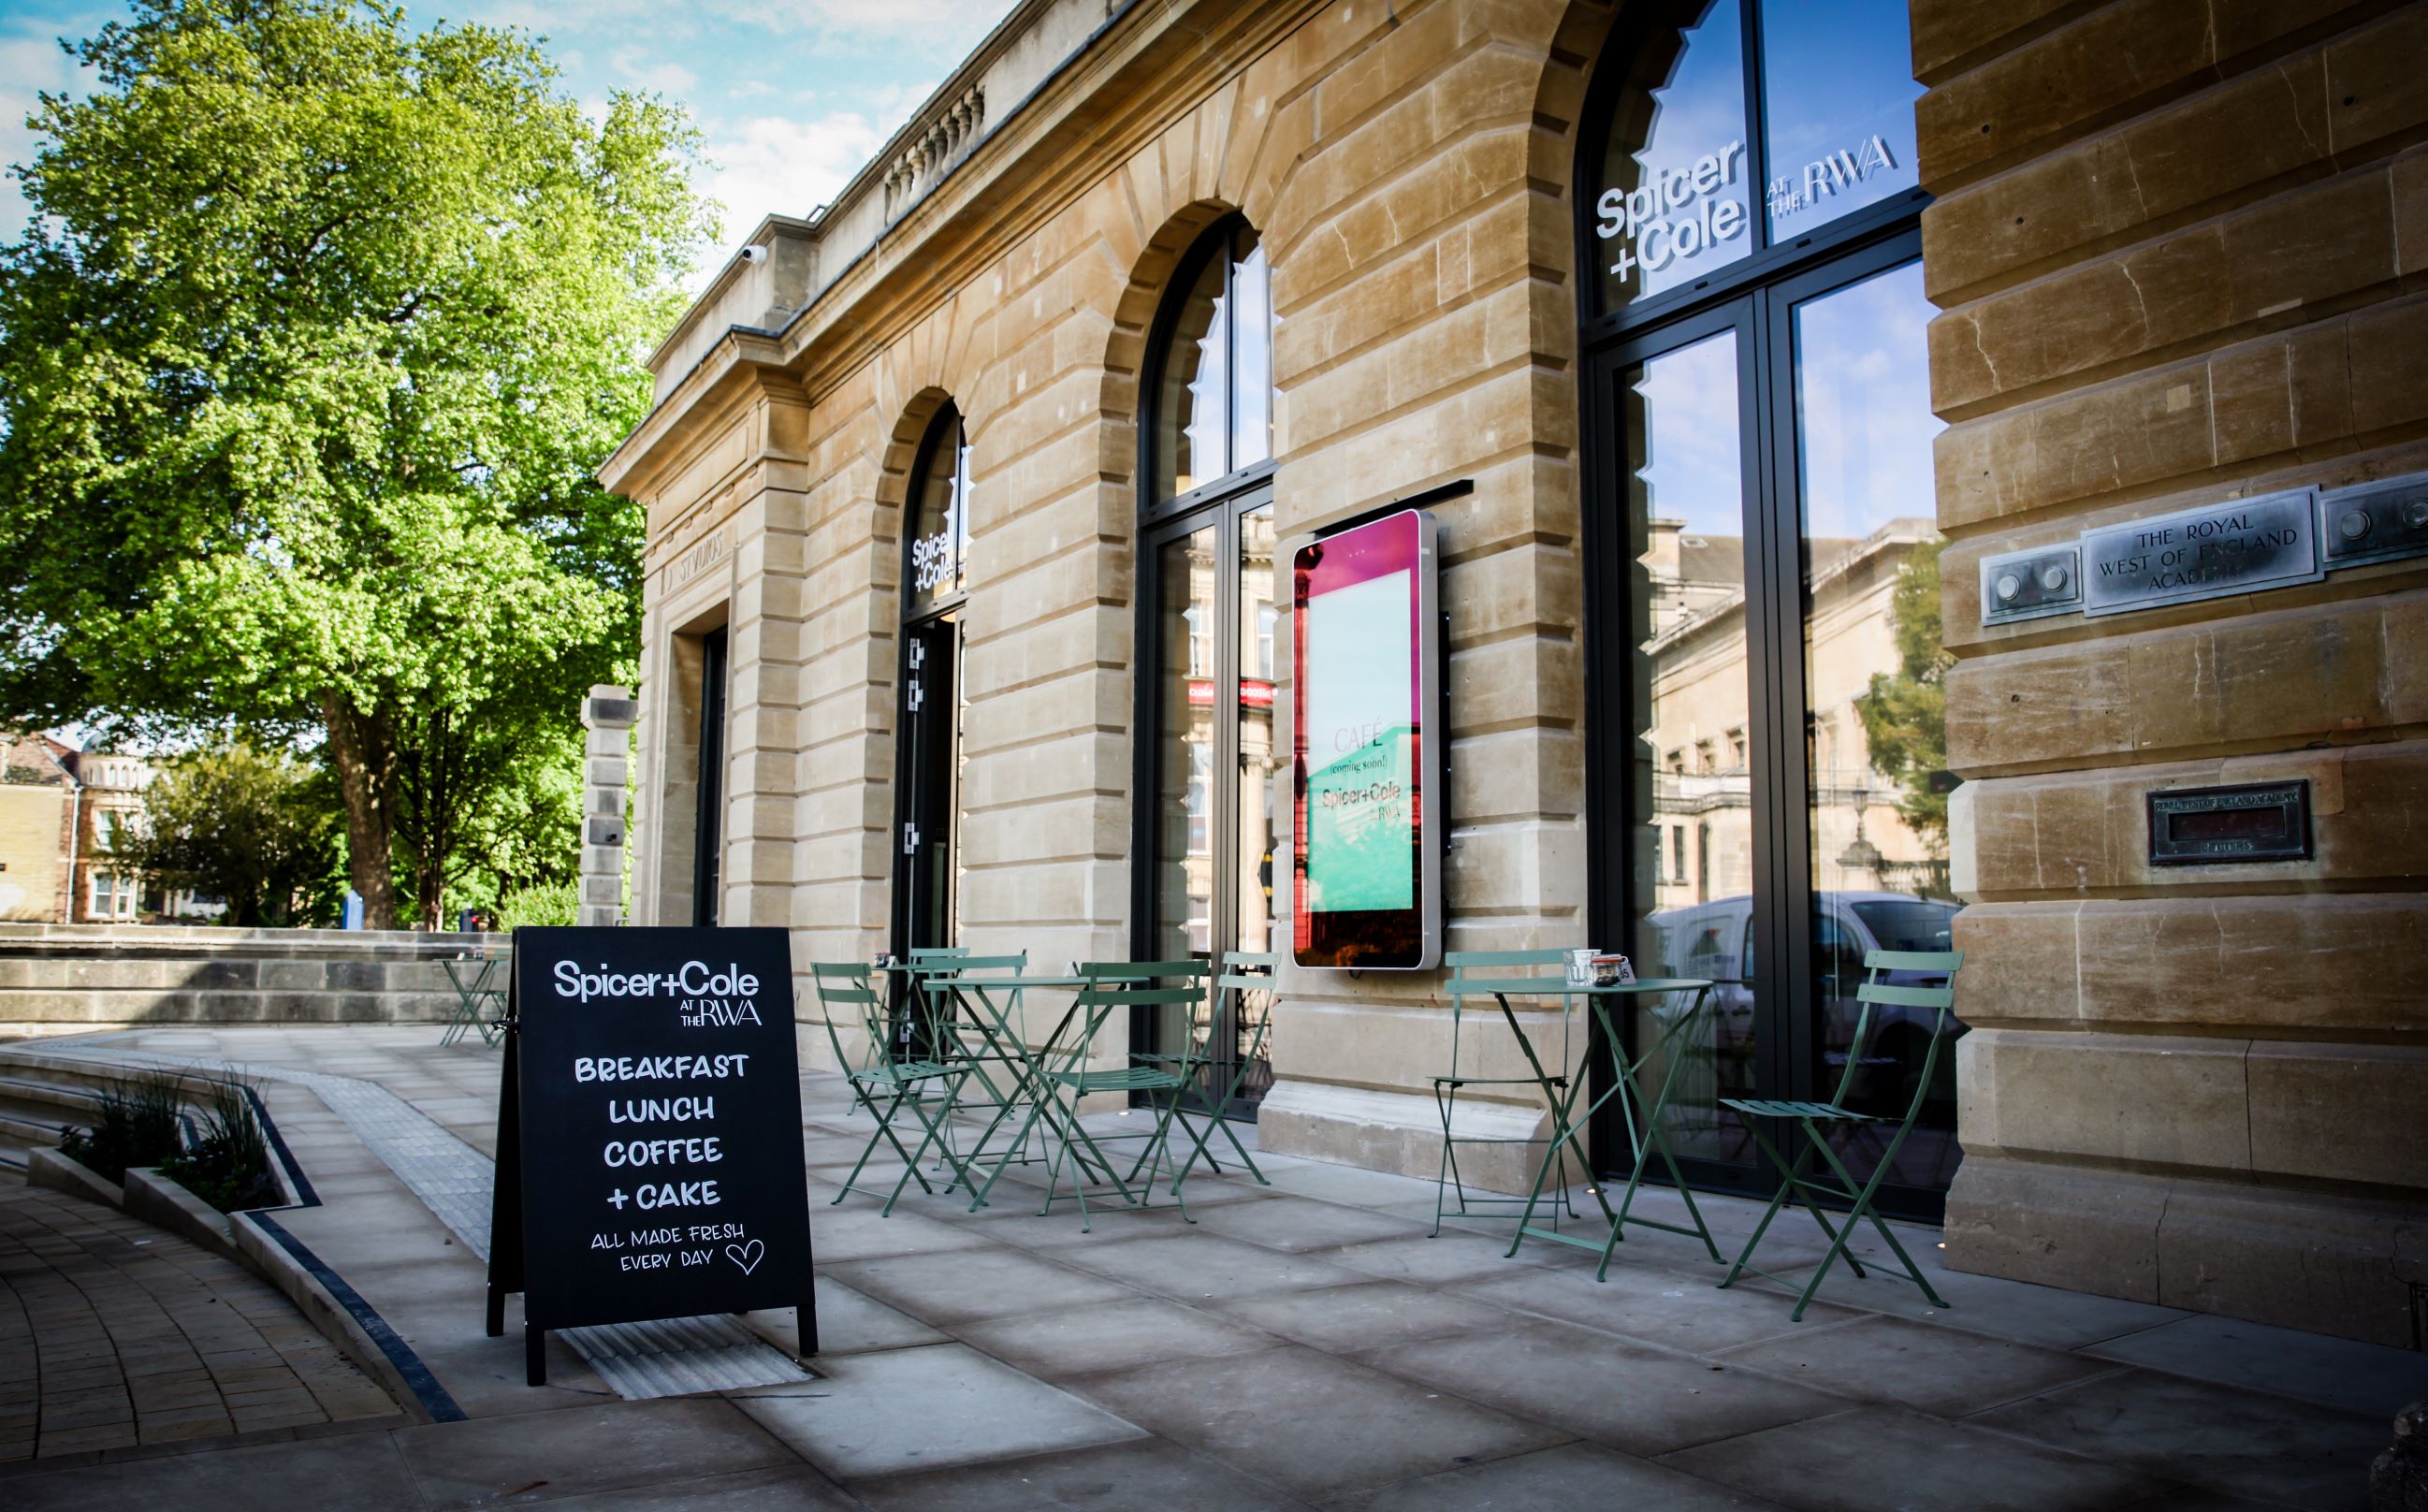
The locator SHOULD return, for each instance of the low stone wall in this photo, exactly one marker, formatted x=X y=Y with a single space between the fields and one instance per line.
x=70 y=979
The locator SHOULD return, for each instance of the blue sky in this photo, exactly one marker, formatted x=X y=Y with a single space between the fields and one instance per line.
x=792 y=95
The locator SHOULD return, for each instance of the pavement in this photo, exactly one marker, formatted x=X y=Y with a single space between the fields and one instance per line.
x=1301 y=1344
x=115 y=1334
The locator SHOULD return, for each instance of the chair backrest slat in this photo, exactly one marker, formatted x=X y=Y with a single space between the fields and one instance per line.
x=1940 y=960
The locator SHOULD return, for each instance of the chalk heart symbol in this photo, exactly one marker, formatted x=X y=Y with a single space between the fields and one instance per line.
x=747 y=1255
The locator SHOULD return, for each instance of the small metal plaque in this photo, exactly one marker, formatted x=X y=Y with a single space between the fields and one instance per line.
x=2210 y=552
x=2250 y=821
x=2375 y=521
x=2030 y=584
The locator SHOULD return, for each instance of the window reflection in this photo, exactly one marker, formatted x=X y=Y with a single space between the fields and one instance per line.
x=1686 y=515
x=1676 y=200
x=1837 y=95
x=938 y=552
x=1878 y=787
x=1214 y=398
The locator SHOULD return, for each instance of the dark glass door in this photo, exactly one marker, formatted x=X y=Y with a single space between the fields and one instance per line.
x=708 y=831
x=927 y=883
x=1209 y=864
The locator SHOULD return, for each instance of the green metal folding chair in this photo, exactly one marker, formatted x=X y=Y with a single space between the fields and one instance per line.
x=959 y=1011
x=1130 y=985
x=1817 y=1119
x=1494 y=975
x=478 y=1005
x=907 y=1084
x=1248 y=977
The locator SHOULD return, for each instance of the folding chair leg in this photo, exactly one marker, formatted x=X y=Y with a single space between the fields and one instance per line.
x=1862 y=1209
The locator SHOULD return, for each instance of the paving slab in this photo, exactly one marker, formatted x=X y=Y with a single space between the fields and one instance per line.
x=597 y=1447
x=2329 y=1372
x=1313 y=1424
x=963 y=1285
x=358 y=1473
x=1893 y=1359
x=918 y=1408
x=1872 y=1457
x=1627 y=1396
x=1113 y=1336
x=1576 y=1475
x=1366 y=1315
x=1143 y=1472
x=1194 y=1267
x=2244 y=1444
x=1681 y=1309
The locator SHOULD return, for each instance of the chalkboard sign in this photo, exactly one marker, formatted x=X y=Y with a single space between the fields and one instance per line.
x=649 y=1131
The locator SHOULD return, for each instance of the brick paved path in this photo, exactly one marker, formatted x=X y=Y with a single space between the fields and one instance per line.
x=115 y=1333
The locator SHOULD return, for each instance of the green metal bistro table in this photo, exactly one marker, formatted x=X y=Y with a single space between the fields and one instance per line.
x=470 y=976
x=1569 y=1125
x=980 y=1015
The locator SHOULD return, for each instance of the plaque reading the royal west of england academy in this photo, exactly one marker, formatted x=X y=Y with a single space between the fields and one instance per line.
x=2209 y=552
x=659 y=1109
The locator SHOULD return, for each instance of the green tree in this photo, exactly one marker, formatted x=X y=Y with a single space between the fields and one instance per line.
x=1905 y=712
x=306 y=364
x=253 y=828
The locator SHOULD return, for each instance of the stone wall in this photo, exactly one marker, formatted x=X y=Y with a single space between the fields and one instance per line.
x=2179 y=252
x=33 y=832
x=73 y=978
x=1405 y=167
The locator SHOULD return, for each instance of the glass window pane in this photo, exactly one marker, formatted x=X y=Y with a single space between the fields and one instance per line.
x=1878 y=753
x=939 y=516
x=1252 y=349
x=1686 y=516
x=1184 y=757
x=1837 y=98
x=1257 y=761
x=1191 y=421
x=1674 y=203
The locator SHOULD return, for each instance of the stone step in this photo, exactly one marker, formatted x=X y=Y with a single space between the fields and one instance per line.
x=118 y=1006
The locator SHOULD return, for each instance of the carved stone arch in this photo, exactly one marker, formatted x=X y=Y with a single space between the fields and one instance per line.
x=1574 y=53
x=1142 y=299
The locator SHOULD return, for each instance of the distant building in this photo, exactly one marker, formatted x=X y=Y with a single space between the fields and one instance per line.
x=61 y=812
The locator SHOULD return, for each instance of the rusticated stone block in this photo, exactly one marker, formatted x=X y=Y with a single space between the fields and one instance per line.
x=1949 y=34
x=2286 y=678
x=2088 y=832
x=2047 y=89
x=2342 y=1112
x=2083 y=1229
x=2174 y=1102
x=2298 y=1259
x=2302 y=964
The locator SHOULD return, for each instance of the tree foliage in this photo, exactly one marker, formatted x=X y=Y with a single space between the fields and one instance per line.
x=253 y=827
x=1905 y=712
x=305 y=367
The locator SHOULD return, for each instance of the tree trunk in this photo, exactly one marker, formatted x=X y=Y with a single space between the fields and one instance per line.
x=364 y=753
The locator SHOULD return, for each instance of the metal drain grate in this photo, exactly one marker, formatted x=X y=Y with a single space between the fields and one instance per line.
x=675 y=1356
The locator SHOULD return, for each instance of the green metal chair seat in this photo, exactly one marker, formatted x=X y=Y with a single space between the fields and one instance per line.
x=1758 y=1108
x=1135 y=1078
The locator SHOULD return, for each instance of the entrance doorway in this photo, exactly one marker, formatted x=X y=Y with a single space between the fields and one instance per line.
x=1767 y=748
x=927 y=718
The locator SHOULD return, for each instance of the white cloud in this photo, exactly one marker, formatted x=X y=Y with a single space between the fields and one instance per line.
x=29 y=66
x=778 y=165
x=645 y=70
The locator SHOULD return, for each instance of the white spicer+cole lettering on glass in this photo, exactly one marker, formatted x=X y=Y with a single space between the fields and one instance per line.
x=931 y=560
x=1675 y=215
x=1829 y=176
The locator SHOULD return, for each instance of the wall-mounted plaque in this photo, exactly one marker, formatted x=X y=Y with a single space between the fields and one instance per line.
x=2210 y=552
x=2375 y=521
x=2030 y=584
x=1365 y=763
x=2250 y=821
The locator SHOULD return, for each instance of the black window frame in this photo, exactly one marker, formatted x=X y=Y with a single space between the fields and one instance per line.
x=1755 y=296
x=1220 y=504
x=947 y=430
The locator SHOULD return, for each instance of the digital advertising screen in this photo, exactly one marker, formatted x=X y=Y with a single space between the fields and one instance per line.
x=1364 y=771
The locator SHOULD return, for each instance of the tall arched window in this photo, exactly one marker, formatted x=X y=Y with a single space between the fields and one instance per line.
x=928 y=758
x=1205 y=825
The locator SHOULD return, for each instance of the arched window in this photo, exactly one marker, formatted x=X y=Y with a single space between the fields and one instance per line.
x=1205 y=825
x=928 y=756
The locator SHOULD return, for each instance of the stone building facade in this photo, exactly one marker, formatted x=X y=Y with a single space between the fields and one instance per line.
x=969 y=497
